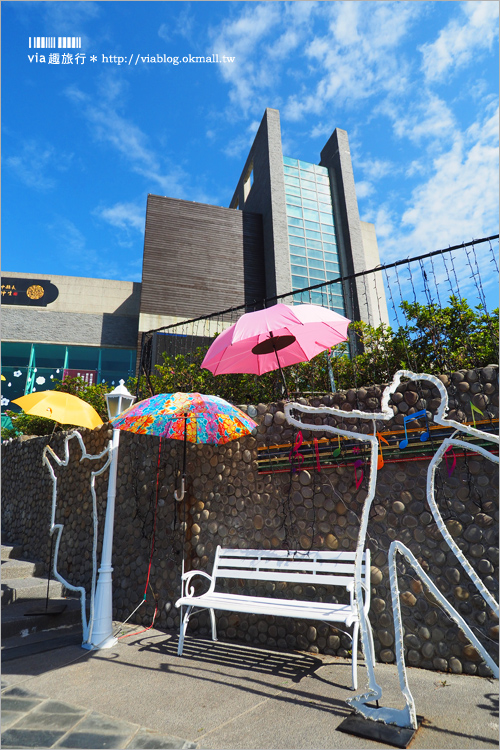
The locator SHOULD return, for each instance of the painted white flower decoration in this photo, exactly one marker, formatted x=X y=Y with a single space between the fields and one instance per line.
x=5 y=401
x=18 y=374
x=40 y=380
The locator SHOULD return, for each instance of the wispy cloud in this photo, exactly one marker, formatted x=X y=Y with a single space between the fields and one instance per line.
x=125 y=216
x=37 y=164
x=108 y=126
x=462 y=40
x=85 y=260
x=454 y=205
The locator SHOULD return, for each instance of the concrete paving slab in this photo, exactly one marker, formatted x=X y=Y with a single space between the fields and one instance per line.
x=228 y=695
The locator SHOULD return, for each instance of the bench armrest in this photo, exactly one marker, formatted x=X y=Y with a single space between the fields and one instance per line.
x=186 y=579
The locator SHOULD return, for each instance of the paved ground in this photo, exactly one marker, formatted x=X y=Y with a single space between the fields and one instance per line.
x=140 y=694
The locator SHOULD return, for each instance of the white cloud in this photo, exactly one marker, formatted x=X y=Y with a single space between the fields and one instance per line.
x=108 y=126
x=374 y=169
x=458 y=202
x=37 y=164
x=364 y=189
x=462 y=40
x=428 y=118
x=124 y=216
x=358 y=58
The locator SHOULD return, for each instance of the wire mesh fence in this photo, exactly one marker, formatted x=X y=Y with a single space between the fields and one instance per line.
x=433 y=311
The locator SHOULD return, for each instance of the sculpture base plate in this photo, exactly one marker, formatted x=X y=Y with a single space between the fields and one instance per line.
x=389 y=734
x=108 y=643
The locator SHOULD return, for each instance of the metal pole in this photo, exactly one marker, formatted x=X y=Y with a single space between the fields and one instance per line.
x=101 y=627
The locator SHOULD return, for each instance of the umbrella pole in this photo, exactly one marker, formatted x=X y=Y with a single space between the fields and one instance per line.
x=281 y=371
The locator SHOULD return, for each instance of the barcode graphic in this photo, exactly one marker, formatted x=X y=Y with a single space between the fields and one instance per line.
x=49 y=42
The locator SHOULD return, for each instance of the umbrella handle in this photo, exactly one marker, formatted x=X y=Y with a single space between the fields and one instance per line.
x=180 y=496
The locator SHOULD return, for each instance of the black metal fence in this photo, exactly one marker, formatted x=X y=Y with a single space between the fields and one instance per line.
x=467 y=272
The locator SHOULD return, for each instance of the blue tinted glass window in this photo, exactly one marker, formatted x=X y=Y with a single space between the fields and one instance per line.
x=316 y=273
x=295 y=249
x=291 y=180
x=297 y=241
x=322 y=179
x=293 y=200
x=315 y=244
x=298 y=260
x=328 y=233
x=295 y=232
x=311 y=215
x=307 y=184
x=333 y=267
x=299 y=282
x=297 y=269
x=326 y=219
x=295 y=222
x=314 y=263
x=325 y=199
x=314 y=253
x=310 y=204
x=329 y=248
x=306 y=166
x=325 y=189
x=290 y=190
x=294 y=211
x=312 y=225
x=291 y=170
x=313 y=235
x=290 y=162
x=309 y=194
x=320 y=170
x=316 y=298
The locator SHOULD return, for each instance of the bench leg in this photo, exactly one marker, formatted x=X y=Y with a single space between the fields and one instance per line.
x=372 y=645
x=214 y=628
x=355 y=632
x=184 y=624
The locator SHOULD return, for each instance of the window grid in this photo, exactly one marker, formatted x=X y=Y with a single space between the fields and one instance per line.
x=313 y=247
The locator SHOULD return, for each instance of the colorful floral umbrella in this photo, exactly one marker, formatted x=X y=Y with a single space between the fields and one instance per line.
x=186 y=416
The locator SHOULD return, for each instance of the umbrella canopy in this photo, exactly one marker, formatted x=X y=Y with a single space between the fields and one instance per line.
x=297 y=332
x=186 y=416
x=61 y=407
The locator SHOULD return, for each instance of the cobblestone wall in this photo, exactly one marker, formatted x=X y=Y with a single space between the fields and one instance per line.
x=229 y=503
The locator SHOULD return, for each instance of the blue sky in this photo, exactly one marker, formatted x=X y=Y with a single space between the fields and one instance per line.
x=415 y=84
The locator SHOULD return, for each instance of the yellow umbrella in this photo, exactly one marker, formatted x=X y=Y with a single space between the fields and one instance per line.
x=61 y=407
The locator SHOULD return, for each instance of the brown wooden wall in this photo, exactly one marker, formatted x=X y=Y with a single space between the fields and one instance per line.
x=199 y=259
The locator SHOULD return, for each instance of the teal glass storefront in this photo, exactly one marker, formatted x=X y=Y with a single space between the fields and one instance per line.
x=311 y=233
x=34 y=367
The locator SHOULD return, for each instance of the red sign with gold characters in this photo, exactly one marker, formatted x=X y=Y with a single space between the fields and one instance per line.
x=89 y=376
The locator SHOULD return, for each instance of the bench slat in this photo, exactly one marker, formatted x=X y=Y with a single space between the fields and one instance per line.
x=311 y=566
x=277 y=607
x=262 y=575
x=290 y=555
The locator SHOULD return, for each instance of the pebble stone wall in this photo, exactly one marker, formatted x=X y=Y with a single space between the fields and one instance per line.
x=229 y=503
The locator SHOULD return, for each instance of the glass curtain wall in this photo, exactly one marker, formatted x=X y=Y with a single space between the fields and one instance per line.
x=311 y=233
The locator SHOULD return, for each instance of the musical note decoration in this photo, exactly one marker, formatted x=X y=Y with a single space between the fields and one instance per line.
x=357 y=465
x=294 y=454
x=380 y=457
x=409 y=418
x=452 y=469
x=475 y=409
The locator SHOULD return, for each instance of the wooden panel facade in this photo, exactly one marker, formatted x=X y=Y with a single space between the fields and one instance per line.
x=199 y=259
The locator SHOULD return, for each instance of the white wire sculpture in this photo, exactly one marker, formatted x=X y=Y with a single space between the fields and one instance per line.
x=405 y=717
x=58 y=527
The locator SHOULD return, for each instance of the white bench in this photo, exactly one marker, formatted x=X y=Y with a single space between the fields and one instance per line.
x=291 y=567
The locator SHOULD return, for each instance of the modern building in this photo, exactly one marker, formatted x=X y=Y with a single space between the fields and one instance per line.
x=290 y=225
x=53 y=324
x=297 y=225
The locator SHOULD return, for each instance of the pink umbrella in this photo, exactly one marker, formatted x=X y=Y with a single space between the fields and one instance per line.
x=298 y=333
